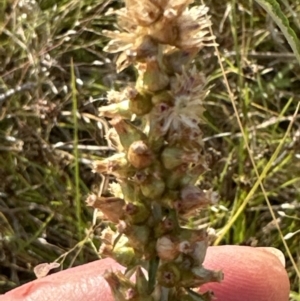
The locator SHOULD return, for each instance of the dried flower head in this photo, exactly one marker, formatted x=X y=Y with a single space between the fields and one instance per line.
x=181 y=119
x=145 y=23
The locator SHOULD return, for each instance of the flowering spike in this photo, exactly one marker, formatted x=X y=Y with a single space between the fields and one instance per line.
x=161 y=153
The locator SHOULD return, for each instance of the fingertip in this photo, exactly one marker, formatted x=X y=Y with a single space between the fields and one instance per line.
x=249 y=274
x=275 y=252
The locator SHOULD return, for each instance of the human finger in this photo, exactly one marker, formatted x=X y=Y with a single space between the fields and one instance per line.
x=250 y=274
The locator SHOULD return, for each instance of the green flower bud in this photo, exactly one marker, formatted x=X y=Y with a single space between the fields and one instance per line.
x=127 y=132
x=139 y=103
x=125 y=256
x=151 y=77
x=173 y=157
x=140 y=155
x=116 y=109
x=136 y=213
x=168 y=275
x=152 y=188
x=111 y=207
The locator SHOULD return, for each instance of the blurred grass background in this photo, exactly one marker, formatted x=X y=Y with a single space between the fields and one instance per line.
x=54 y=76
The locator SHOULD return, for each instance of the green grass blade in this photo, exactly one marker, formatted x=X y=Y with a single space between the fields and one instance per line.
x=273 y=9
x=76 y=153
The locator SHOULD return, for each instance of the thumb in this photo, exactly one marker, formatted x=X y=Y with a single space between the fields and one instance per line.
x=249 y=274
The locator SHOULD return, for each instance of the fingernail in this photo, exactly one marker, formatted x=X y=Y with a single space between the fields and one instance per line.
x=275 y=252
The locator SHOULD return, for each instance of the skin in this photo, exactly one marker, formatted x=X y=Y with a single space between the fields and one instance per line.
x=255 y=274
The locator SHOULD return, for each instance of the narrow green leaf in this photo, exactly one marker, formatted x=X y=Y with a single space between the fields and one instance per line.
x=153 y=266
x=75 y=152
x=273 y=9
